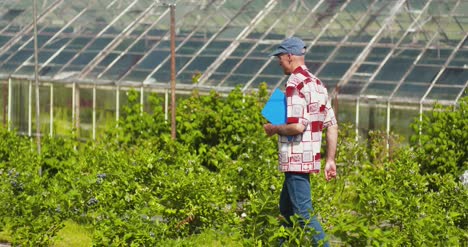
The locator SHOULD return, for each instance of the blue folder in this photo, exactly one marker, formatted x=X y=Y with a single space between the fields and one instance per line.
x=275 y=108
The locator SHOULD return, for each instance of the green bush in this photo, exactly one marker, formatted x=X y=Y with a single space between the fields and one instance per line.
x=136 y=186
x=442 y=146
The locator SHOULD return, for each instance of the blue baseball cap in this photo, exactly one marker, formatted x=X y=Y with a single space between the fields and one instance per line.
x=293 y=46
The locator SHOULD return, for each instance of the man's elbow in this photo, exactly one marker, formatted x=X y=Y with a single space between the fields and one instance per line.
x=297 y=129
x=332 y=129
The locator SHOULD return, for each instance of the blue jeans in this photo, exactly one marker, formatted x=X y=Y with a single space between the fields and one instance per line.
x=295 y=198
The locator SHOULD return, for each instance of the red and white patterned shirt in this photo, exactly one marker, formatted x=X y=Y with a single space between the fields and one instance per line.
x=307 y=103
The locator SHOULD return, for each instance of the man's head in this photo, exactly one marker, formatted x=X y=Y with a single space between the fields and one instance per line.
x=290 y=54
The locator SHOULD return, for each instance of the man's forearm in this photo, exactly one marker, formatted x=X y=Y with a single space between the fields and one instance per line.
x=289 y=129
x=332 y=139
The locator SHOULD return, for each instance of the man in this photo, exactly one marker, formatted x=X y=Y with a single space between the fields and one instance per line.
x=299 y=141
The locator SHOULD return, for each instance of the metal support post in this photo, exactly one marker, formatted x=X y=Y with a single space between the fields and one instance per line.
x=357 y=118
x=73 y=103
x=51 y=110
x=388 y=127
x=117 y=103
x=10 y=94
x=142 y=99
x=36 y=78
x=94 y=112
x=173 y=74
x=166 y=104
x=30 y=108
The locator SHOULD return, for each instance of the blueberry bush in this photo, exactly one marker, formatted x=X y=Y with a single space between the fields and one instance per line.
x=135 y=186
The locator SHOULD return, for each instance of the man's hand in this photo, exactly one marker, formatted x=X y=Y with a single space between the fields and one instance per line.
x=330 y=170
x=270 y=129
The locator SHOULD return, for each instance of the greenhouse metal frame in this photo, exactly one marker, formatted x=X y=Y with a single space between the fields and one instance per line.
x=384 y=53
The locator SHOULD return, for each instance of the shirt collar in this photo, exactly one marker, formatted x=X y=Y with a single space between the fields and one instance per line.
x=300 y=69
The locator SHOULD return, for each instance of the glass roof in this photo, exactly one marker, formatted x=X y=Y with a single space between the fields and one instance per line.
x=400 y=50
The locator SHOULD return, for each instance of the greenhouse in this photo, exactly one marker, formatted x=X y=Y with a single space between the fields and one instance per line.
x=384 y=62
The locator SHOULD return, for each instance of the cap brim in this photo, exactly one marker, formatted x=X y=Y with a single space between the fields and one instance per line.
x=276 y=53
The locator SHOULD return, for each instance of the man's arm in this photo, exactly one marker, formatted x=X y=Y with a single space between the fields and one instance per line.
x=332 y=139
x=284 y=130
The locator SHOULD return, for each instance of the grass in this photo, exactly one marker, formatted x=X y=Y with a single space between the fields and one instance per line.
x=208 y=238
x=5 y=236
x=73 y=234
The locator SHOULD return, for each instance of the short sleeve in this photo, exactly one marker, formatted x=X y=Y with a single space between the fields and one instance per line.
x=330 y=118
x=296 y=106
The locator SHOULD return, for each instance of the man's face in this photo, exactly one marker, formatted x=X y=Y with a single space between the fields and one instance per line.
x=285 y=63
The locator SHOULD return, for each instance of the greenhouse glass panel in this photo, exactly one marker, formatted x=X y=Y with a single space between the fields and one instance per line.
x=44 y=114
x=401 y=118
x=201 y=63
x=26 y=70
x=412 y=90
x=3 y=103
x=84 y=58
x=11 y=14
x=319 y=52
x=57 y=43
x=8 y=68
x=237 y=80
x=330 y=84
x=63 y=109
x=155 y=58
x=227 y=65
x=63 y=57
x=380 y=89
x=262 y=50
x=4 y=39
x=43 y=56
x=242 y=49
x=180 y=62
x=270 y=81
x=367 y=68
x=140 y=46
x=345 y=111
x=334 y=70
x=190 y=47
x=377 y=54
x=215 y=79
x=444 y=93
x=78 y=43
x=164 y=72
x=272 y=69
x=136 y=75
x=313 y=66
x=86 y=112
x=230 y=32
x=372 y=116
x=352 y=88
x=394 y=69
x=250 y=66
x=42 y=39
x=435 y=56
x=19 y=105
x=453 y=76
x=21 y=56
x=49 y=70
x=121 y=67
x=423 y=74
x=163 y=75
x=99 y=44
x=105 y=109
x=460 y=59
x=185 y=77
x=215 y=48
x=348 y=53
x=108 y=59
